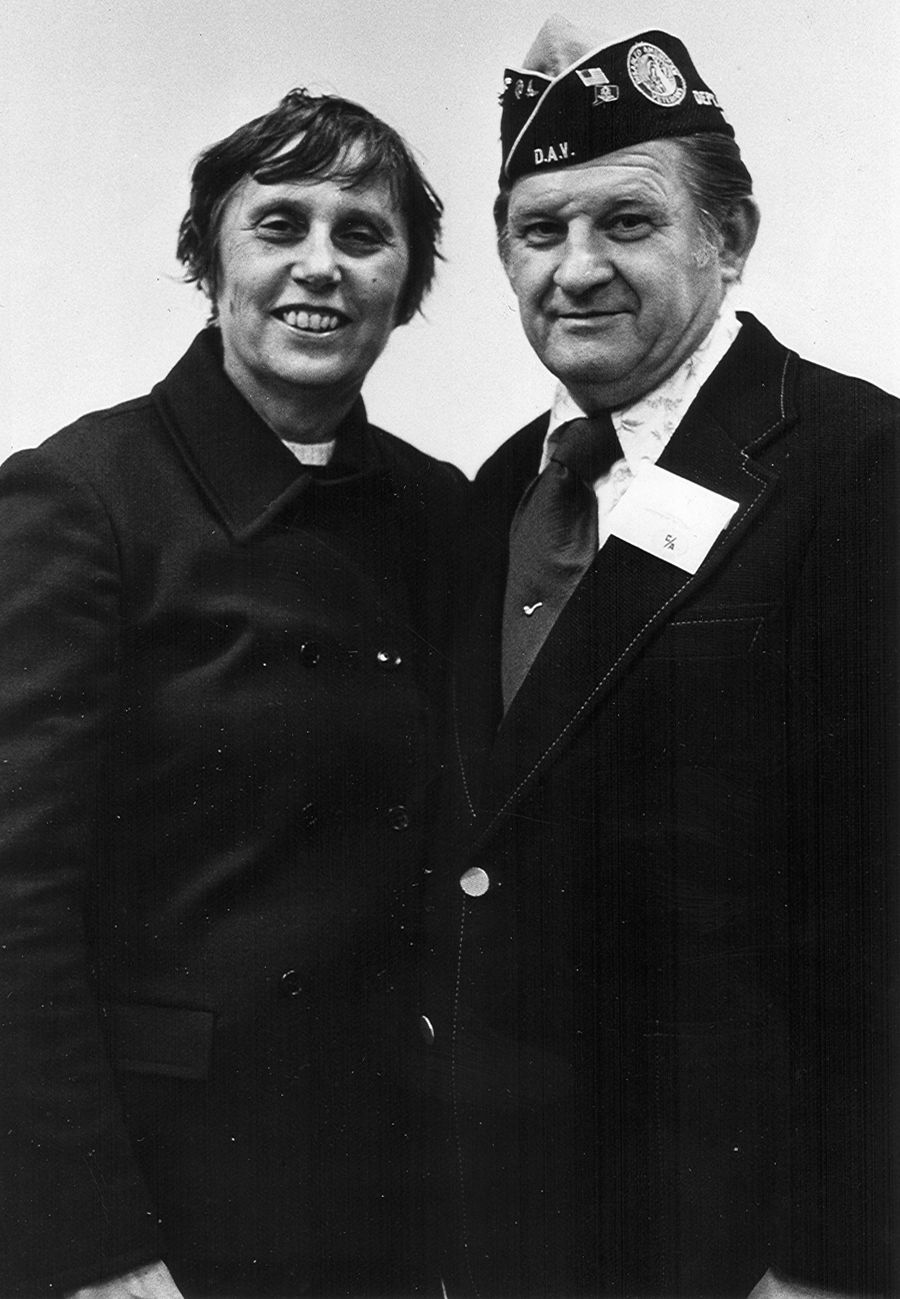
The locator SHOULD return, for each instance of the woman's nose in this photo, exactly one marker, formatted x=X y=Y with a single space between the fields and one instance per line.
x=315 y=262
x=583 y=265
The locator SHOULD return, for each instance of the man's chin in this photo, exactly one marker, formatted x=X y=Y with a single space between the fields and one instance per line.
x=588 y=369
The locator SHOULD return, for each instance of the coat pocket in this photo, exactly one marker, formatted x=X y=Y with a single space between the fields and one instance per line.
x=721 y=635
x=172 y=1041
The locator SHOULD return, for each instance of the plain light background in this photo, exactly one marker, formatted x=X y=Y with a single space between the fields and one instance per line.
x=105 y=105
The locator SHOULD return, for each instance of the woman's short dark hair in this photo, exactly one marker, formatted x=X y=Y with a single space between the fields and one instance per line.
x=334 y=139
x=713 y=170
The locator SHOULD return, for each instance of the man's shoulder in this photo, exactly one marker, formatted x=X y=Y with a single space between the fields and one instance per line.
x=843 y=429
x=517 y=458
x=844 y=398
x=811 y=390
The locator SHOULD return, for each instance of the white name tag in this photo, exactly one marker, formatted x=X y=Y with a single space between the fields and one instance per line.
x=670 y=517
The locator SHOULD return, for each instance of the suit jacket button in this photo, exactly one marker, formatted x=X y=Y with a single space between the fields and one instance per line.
x=426 y=1029
x=310 y=653
x=474 y=882
x=289 y=984
x=388 y=660
x=398 y=818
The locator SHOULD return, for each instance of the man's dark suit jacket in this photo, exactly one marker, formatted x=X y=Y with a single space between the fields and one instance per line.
x=217 y=677
x=659 y=1007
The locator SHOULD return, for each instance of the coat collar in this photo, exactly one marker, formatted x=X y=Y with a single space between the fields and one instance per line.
x=746 y=402
x=240 y=465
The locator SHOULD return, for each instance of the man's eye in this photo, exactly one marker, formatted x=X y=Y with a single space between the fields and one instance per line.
x=630 y=225
x=542 y=232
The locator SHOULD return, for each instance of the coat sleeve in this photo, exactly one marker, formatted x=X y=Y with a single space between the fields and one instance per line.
x=843 y=856
x=73 y=1208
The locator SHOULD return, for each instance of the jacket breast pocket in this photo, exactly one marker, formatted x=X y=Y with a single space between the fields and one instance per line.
x=716 y=634
x=171 y=1041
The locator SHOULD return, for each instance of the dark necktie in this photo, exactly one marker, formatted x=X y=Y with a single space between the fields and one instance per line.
x=552 y=541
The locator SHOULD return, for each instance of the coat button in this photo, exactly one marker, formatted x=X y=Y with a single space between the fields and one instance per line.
x=389 y=660
x=426 y=1029
x=398 y=818
x=289 y=984
x=474 y=882
x=310 y=653
x=309 y=817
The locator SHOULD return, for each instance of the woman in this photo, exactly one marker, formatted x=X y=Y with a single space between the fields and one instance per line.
x=220 y=642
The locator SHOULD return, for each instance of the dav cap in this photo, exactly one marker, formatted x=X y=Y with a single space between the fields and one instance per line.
x=572 y=104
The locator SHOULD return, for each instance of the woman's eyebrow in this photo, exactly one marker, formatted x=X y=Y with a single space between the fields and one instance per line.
x=274 y=203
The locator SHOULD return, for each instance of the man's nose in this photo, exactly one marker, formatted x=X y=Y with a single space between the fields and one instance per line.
x=583 y=265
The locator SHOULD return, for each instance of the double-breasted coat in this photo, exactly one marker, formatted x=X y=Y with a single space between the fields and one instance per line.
x=659 y=931
x=217 y=694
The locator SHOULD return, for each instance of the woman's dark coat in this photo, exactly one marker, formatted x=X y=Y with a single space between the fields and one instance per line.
x=217 y=679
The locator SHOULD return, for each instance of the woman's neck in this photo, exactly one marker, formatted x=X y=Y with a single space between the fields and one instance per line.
x=296 y=414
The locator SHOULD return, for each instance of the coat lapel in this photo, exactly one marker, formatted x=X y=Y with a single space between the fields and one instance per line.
x=628 y=594
x=219 y=434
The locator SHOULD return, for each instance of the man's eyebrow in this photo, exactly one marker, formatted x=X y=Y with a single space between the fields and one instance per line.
x=538 y=207
x=555 y=204
x=645 y=199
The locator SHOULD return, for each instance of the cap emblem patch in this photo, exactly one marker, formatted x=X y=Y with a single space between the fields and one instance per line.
x=655 y=75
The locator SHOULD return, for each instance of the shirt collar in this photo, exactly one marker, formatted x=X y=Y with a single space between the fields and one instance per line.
x=239 y=462
x=646 y=425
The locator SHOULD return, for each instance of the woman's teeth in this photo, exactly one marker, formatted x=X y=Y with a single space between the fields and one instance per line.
x=317 y=322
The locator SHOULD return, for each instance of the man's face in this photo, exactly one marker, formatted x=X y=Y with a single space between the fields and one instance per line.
x=616 y=282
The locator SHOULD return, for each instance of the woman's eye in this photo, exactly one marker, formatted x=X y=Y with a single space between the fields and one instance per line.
x=362 y=238
x=277 y=227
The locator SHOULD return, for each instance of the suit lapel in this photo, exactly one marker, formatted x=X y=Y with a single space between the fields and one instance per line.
x=477 y=704
x=628 y=594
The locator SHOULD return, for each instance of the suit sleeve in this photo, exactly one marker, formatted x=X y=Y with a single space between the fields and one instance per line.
x=73 y=1208
x=843 y=715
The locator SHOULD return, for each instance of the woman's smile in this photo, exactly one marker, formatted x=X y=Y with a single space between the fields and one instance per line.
x=312 y=274
x=311 y=320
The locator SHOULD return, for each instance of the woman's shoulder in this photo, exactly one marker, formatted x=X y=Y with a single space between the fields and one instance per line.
x=96 y=441
x=432 y=492
x=404 y=458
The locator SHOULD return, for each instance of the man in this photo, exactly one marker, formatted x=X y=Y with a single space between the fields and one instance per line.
x=665 y=1029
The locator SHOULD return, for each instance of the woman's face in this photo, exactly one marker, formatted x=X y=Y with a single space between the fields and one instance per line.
x=310 y=279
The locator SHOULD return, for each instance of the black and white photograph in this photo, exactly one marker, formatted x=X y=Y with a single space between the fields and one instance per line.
x=448 y=651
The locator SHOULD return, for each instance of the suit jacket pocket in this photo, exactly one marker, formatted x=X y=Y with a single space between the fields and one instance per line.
x=717 y=634
x=174 y=1041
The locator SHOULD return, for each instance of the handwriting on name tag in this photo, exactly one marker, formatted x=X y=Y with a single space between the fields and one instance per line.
x=671 y=517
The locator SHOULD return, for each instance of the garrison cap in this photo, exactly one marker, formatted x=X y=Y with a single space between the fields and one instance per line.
x=574 y=103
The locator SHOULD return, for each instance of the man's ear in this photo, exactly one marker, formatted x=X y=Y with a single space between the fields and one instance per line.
x=503 y=251
x=738 y=237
